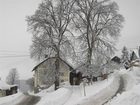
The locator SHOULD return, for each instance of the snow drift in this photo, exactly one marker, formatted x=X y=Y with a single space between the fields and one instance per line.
x=98 y=93
x=131 y=95
x=11 y=99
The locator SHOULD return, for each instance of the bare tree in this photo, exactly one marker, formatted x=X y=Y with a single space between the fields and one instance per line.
x=12 y=77
x=98 y=24
x=49 y=26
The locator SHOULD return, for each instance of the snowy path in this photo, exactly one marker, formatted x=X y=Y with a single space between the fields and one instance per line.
x=105 y=94
x=97 y=94
x=29 y=100
x=120 y=89
x=58 y=97
x=76 y=91
x=131 y=95
x=122 y=85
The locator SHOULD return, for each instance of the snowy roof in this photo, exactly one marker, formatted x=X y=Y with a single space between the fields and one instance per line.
x=52 y=58
x=4 y=86
x=136 y=52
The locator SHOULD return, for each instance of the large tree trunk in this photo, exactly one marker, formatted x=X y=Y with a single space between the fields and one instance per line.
x=57 y=71
x=56 y=74
x=89 y=42
x=89 y=61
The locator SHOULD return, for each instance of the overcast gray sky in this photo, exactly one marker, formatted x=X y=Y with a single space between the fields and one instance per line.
x=130 y=35
x=14 y=38
x=14 y=35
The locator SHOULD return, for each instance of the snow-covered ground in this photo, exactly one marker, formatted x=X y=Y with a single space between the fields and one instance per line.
x=99 y=93
x=74 y=95
x=11 y=99
x=131 y=94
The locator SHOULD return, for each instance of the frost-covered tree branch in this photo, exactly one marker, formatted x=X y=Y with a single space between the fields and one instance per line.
x=98 y=24
x=50 y=28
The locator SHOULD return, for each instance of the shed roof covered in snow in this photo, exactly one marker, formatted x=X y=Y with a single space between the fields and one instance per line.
x=136 y=51
x=4 y=86
x=49 y=59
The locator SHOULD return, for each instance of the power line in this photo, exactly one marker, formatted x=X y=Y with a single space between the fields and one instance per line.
x=13 y=51
x=14 y=56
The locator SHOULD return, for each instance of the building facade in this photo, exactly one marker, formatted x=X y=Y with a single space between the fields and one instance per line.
x=44 y=73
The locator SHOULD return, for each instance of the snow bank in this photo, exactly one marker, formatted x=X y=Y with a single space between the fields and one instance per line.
x=131 y=96
x=11 y=99
x=128 y=78
x=103 y=94
x=43 y=93
x=90 y=90
x=98 y=93
x=58 y=97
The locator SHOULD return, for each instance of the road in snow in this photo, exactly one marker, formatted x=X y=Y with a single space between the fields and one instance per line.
x=97 y=94
x=120 y=89
x=11 y=99
x=29 y=100
x=103 y=95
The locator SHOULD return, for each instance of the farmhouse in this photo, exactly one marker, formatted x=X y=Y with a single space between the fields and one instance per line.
x=44 y=73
